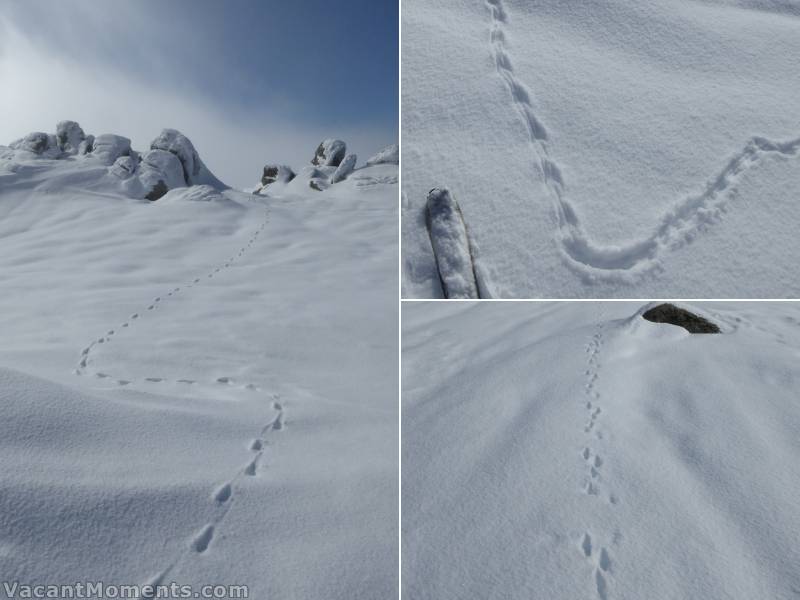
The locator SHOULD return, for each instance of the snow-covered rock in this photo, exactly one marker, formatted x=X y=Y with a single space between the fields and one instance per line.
x=330 y=152
x=346 y=167
x=194 y=170
x=124 y=166
x=109 y=147
x=389 y=155
x=159 y=172
x=69 y=136
x=450 y=244
x=39 y=143
x=277 y=173
x=86 y=146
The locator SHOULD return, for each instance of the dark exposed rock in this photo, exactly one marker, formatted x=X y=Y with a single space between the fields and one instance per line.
x=273 y=173
x=318 y=184
x=450 y=244
x=669 y=313
x=159 y=189
x=330 y=153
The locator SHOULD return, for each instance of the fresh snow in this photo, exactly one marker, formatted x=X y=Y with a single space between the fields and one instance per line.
x=606 y=149
x=201 y=389
x=575 y=450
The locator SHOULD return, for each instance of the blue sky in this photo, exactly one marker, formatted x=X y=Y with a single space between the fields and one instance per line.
x=249 y=81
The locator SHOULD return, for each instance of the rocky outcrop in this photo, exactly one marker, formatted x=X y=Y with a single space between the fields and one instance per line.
x=330 y=153
x=346 y=167
x=674 y=315
x=450 y=244
x=69 y=136
x=388 y=156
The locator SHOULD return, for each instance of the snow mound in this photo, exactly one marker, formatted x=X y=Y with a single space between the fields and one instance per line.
x=389 y=155
x=330 y=153
x=196 y=193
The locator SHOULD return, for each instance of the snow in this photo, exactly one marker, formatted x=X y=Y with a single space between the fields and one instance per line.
x=389 y=155
x=575 y=450
x=200 y=389
x=618 y=149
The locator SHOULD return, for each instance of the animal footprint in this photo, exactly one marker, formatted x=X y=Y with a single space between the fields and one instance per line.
x=223 y=494
x=203 y=539
x=586 y=545
x=250 y=469
x=154 y=379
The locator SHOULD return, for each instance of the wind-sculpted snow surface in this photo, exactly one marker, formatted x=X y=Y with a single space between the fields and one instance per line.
x=166 y=411
x=576 y=450
x=677 y=227
x=650 y=160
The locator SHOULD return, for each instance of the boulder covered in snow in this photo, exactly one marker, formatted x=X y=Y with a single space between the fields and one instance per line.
x=124 y=167
x=388 y=156
x=330 y=153
x=69 y=136
x=160 y=172
x=86 y=146
x=343 y=171
x=37 y=143
x=450 y=244
x=194 y=171
x=109 y=147
x=277 y=173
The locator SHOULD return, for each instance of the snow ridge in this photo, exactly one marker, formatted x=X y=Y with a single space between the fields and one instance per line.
x=629 y=261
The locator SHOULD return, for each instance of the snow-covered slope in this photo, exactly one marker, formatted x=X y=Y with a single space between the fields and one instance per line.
x=607 y=149
x=200 y=389
x=575 y=450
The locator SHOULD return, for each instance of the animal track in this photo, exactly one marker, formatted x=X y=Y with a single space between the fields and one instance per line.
x=221 y=496
x=203 y=539
x=676 y=228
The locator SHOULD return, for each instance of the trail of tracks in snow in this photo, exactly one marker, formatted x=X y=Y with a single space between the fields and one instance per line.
x=222 y=496
x=677 y=227
x=600 y=558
